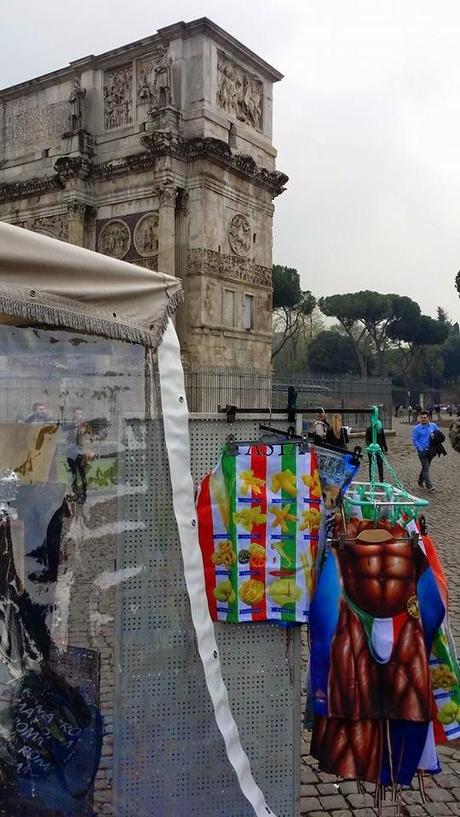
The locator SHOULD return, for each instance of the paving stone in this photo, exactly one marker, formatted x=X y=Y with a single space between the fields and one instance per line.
x=309 y=803
x=439 y=810
x=447 y=781
x=441 y=795
x=412 y=796
x=348 y=787
x=308 y=775
x=309 y=790
x=388 y=810
x=414 y=810
x=360 y=800
x=328 y=788
x=333 y=801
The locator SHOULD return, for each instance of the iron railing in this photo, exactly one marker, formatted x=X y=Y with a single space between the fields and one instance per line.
x=210 y=388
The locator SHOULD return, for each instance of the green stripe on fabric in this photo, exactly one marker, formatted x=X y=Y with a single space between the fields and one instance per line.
x=366 y=620
x=289 y=463
x=229 y=472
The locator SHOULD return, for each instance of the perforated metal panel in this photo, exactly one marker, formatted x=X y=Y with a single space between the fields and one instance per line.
x=169 y=758
x=260 y=663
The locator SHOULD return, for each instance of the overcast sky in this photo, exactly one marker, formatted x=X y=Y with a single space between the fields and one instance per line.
x=366 y=121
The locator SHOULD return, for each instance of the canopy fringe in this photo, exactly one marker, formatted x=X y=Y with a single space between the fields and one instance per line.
x=89 y=323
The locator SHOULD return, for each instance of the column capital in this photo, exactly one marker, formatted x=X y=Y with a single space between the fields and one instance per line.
x=167 y=195
x=181 y=199
x=76 y=208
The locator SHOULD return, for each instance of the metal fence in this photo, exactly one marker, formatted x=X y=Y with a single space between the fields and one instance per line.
x=207 y=389
x=211 y=388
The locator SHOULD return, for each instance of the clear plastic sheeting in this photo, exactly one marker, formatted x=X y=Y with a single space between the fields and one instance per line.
x=103 y=703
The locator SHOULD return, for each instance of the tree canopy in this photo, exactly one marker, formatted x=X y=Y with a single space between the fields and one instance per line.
x=451 y=355
x=368 y=314
x=286 y=286
x=411 y=336
x=333 y=353
x=382 y=333
x=291 y=305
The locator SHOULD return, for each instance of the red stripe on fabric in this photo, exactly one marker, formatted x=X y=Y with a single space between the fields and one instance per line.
x=206 y=538
x=259 y=469
x=398 y=623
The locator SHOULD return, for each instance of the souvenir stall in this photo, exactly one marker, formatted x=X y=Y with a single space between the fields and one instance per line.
x=150 y=646
x=290 y=534
x=112 y=697
x=385 y=681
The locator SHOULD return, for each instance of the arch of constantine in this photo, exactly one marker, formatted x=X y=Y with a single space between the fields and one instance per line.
x=159 y=152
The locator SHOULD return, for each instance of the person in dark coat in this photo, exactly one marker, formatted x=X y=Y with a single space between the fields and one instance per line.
x=337 y=434
x=436 y=445
x=383 y=445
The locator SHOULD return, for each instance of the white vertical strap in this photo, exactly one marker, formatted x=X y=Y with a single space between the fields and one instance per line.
x=175 y=422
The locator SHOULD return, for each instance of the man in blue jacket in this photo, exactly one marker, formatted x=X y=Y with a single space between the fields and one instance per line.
x=422 y=434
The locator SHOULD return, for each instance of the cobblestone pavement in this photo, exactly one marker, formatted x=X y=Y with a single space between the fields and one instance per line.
x=323 y=794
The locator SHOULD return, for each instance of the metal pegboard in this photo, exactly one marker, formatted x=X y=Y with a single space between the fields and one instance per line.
x=260 y=663
x=169 y=758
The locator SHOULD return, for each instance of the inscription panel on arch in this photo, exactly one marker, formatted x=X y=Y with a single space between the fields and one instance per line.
x=28 y=123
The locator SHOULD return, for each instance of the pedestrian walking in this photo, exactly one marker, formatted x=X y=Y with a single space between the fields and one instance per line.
x=422 y=436
x=409 y=412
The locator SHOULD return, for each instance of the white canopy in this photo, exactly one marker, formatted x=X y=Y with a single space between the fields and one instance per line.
x=44 y=280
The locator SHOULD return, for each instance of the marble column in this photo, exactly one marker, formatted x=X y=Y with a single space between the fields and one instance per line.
x=167 y=229
x=181 y=266
x=76 y=213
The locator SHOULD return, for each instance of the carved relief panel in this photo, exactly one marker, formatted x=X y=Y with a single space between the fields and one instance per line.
x=154 y=80
x=239 y=93
x=118 y=96
x=201 y=262
x=53 y=226
x=239 y=235
x=114 y=238
x=146 y=235
x=132 y=237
